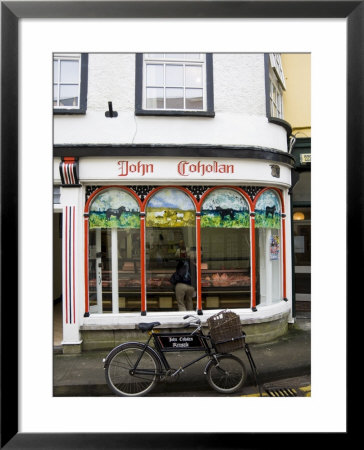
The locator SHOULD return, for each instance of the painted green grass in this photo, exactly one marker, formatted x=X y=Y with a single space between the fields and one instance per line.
x=125 y=221
x=267 y=222
x=210 y=220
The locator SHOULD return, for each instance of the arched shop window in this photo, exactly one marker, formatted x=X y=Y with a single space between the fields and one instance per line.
x=268 y=241
x=225 y=250
x=114 y=252
x=170 y=237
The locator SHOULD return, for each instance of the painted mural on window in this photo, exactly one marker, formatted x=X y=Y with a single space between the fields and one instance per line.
x=268 y=211
x=225 y=208
x=170 y=208
x=114 y=208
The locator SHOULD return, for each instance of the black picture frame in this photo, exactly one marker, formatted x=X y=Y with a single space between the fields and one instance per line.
x=11 y=12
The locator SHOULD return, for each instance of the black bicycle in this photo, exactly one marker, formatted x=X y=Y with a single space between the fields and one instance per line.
x=133 y=368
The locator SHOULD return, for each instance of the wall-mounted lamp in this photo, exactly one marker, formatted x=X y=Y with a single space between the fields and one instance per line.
x=298 y=216
x=111 y=113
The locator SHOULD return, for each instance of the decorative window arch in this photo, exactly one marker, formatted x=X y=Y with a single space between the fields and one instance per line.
x=170 y=207
x=226 y=208
x=114 y=208
x=268 y=210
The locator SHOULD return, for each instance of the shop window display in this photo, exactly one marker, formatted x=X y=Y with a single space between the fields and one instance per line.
x=135 y=247
x=225 y=242
x=114 y=252
x=268 y=248
x=170 y=238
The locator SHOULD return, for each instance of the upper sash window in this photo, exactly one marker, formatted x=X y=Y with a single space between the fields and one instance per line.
x=70 y=83
x=277 y=85
x=174 y=84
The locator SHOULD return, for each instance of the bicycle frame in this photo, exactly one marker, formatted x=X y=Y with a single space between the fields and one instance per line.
x=175 y=342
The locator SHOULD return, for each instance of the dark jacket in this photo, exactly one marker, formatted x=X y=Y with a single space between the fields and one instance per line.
x=181 y=275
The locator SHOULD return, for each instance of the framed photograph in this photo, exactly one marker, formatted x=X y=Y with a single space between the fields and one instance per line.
x=31 y=33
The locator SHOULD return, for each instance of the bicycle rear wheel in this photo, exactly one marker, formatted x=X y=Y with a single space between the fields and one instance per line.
x=119 y=368
x=227 y=375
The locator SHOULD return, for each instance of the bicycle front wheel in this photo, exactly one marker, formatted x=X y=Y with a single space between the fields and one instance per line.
x=126 y=376
x=227 y=374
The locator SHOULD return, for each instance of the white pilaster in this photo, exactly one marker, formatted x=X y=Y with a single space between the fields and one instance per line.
x=72 y=265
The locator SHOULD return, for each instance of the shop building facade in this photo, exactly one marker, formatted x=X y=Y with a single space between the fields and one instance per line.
x=160 y=158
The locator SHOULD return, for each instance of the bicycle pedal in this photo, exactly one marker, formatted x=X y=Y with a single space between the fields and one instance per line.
x=170 y=376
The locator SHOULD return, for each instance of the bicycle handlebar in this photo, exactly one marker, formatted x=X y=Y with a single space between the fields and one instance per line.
x=194 y=317
x=190 y=324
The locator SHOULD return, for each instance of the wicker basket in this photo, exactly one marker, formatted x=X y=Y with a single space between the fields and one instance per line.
x=226 y=332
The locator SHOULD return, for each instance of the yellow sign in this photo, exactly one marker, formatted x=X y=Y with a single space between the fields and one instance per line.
x=305 y=158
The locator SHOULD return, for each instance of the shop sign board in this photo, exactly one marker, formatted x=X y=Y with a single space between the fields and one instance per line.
x=184 y=170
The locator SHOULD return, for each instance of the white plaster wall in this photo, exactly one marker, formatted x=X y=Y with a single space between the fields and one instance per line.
x=239 y=100
x=111 y=77
x=239 y=81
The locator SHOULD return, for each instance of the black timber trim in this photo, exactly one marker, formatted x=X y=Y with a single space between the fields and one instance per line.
x=139 y=111
x=9 y=223
x=197 y=151
x=183 y=9
x=271 y=119
x=83 y=91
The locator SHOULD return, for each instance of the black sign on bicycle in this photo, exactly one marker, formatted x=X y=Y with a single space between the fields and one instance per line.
x=170 y=342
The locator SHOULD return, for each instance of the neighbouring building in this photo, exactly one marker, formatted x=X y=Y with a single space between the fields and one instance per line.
x=297 y=108
x=163 y=157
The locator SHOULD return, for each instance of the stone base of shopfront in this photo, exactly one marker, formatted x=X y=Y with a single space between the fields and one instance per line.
x=264 y=325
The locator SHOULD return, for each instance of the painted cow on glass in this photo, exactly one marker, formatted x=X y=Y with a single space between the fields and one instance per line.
x=115 y=212
x=270 y=210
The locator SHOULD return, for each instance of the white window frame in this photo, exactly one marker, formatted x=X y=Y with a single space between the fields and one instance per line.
x=277 y=85
x=148 y=58
x=277 y=67
x=66 y=57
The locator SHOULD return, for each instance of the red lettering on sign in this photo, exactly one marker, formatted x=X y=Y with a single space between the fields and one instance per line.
x=185 y=168
x=125 y=168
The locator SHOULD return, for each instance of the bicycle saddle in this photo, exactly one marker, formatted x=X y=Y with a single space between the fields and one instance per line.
x=148 y=326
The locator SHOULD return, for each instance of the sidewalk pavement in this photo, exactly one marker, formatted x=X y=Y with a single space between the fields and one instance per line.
x=287 y=357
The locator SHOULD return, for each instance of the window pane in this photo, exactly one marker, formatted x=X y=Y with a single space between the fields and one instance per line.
x=155 y=98
x=70 y=72
x=128 y=243
x=55 y=94
x=174 y=55
x=55 y=71
x=268 y=264
x=268 y=248
x=68 y=95
x=174 y=75
x=155 y=75
x=194 y=99
x=155 y=55
x=193 y=56
x=174 y=98
x=193 y=76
